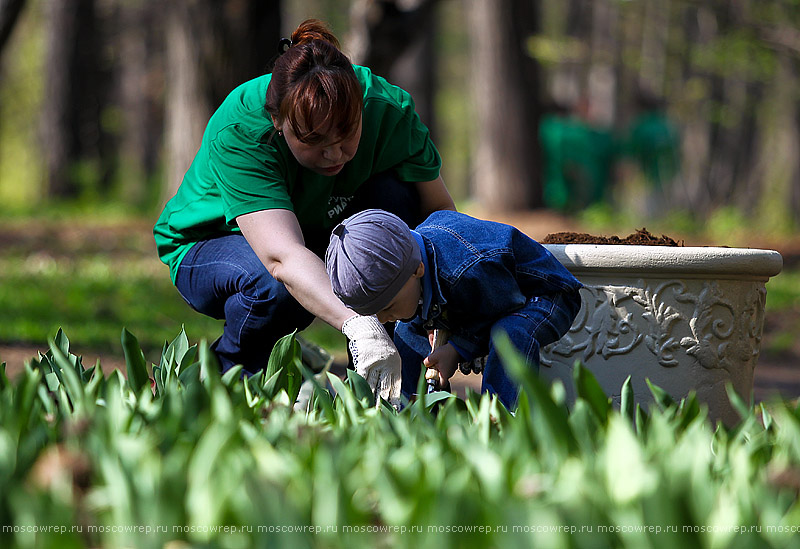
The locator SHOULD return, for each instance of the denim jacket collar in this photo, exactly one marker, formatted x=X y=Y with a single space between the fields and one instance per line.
x=432 y=299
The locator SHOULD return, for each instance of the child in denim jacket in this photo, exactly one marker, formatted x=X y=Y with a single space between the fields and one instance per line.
x=465 y=275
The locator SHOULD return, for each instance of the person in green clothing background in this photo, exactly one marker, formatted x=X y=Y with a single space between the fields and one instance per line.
x=285 y=158
x=653 y=146
x=578 y=160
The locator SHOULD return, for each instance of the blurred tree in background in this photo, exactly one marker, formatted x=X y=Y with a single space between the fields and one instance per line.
x=78 y=149
x=505 y=82
x=396 y=41
x=9 y=12
x=212 y=47
x=105 y=100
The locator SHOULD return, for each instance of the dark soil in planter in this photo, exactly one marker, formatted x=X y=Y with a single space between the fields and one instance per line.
x=641 y=237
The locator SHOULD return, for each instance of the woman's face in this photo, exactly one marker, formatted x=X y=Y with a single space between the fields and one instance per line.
x=327 y=157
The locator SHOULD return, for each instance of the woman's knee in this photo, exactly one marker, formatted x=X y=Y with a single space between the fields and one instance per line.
x=269 y=299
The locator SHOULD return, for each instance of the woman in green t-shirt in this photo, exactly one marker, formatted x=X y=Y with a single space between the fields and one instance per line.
x=283 y=160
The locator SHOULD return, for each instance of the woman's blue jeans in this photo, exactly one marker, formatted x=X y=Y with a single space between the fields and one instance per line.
x=542 y=320
x=224 y=279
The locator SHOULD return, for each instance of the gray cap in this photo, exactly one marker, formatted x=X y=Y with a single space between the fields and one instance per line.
x=371 y=255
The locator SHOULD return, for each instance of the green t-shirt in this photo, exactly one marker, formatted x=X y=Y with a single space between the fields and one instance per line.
x=243 y=167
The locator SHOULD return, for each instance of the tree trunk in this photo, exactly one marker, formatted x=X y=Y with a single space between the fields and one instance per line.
x=794 y=194
x=568 y=78
x=732 y=127
x=654 y=45
x=415 y=69
x=506 y=90
x=699 y=31
x=211 y=48
x=395 y=40
x=139 y=79
x=186 y=107
x=74 y=94
x=242 y=41
x=9 y=14
x=602 y=81
x=775 y=192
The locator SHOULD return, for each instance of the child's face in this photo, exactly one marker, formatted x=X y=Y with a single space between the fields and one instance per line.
x=327 y=157
x=405 y=303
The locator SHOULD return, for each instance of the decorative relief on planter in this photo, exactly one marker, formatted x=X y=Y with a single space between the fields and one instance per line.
x=617 y=319
x=721 y=338
x=660 y=317
x=599 y=329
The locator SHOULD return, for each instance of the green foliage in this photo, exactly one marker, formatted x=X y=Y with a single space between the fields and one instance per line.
x=729 y=226
x=783 y=291
x=200 y=458
x=91 y=295
x=92 y=272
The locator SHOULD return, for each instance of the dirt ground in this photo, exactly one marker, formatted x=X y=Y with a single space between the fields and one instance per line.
x=777 y=373
x=641 y=237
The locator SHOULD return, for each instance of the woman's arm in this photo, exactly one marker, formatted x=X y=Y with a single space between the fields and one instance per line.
x=434 y=196
x=277 y=240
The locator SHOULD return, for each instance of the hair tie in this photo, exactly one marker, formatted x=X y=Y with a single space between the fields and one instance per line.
x=284 y=45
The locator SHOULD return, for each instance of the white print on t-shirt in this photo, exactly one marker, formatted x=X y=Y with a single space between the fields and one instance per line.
x=337 y=204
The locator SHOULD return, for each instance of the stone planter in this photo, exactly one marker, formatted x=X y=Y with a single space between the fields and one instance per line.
x=687 y=318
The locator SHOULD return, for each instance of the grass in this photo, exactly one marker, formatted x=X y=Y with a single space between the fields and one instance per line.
x=92 y=279
x=91 y=298
x=783 y=291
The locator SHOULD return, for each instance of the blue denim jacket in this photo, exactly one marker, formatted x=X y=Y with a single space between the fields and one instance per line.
x=478 y=271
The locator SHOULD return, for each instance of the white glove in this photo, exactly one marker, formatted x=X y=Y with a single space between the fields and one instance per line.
x=374 y=356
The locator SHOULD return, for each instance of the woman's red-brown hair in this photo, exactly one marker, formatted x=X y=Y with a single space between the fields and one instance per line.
x=314 y=86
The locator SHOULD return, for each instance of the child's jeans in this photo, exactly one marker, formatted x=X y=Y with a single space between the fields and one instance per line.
x=543 y=320
x=223 y=278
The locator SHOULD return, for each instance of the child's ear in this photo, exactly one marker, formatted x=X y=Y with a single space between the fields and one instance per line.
x=420 y=270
